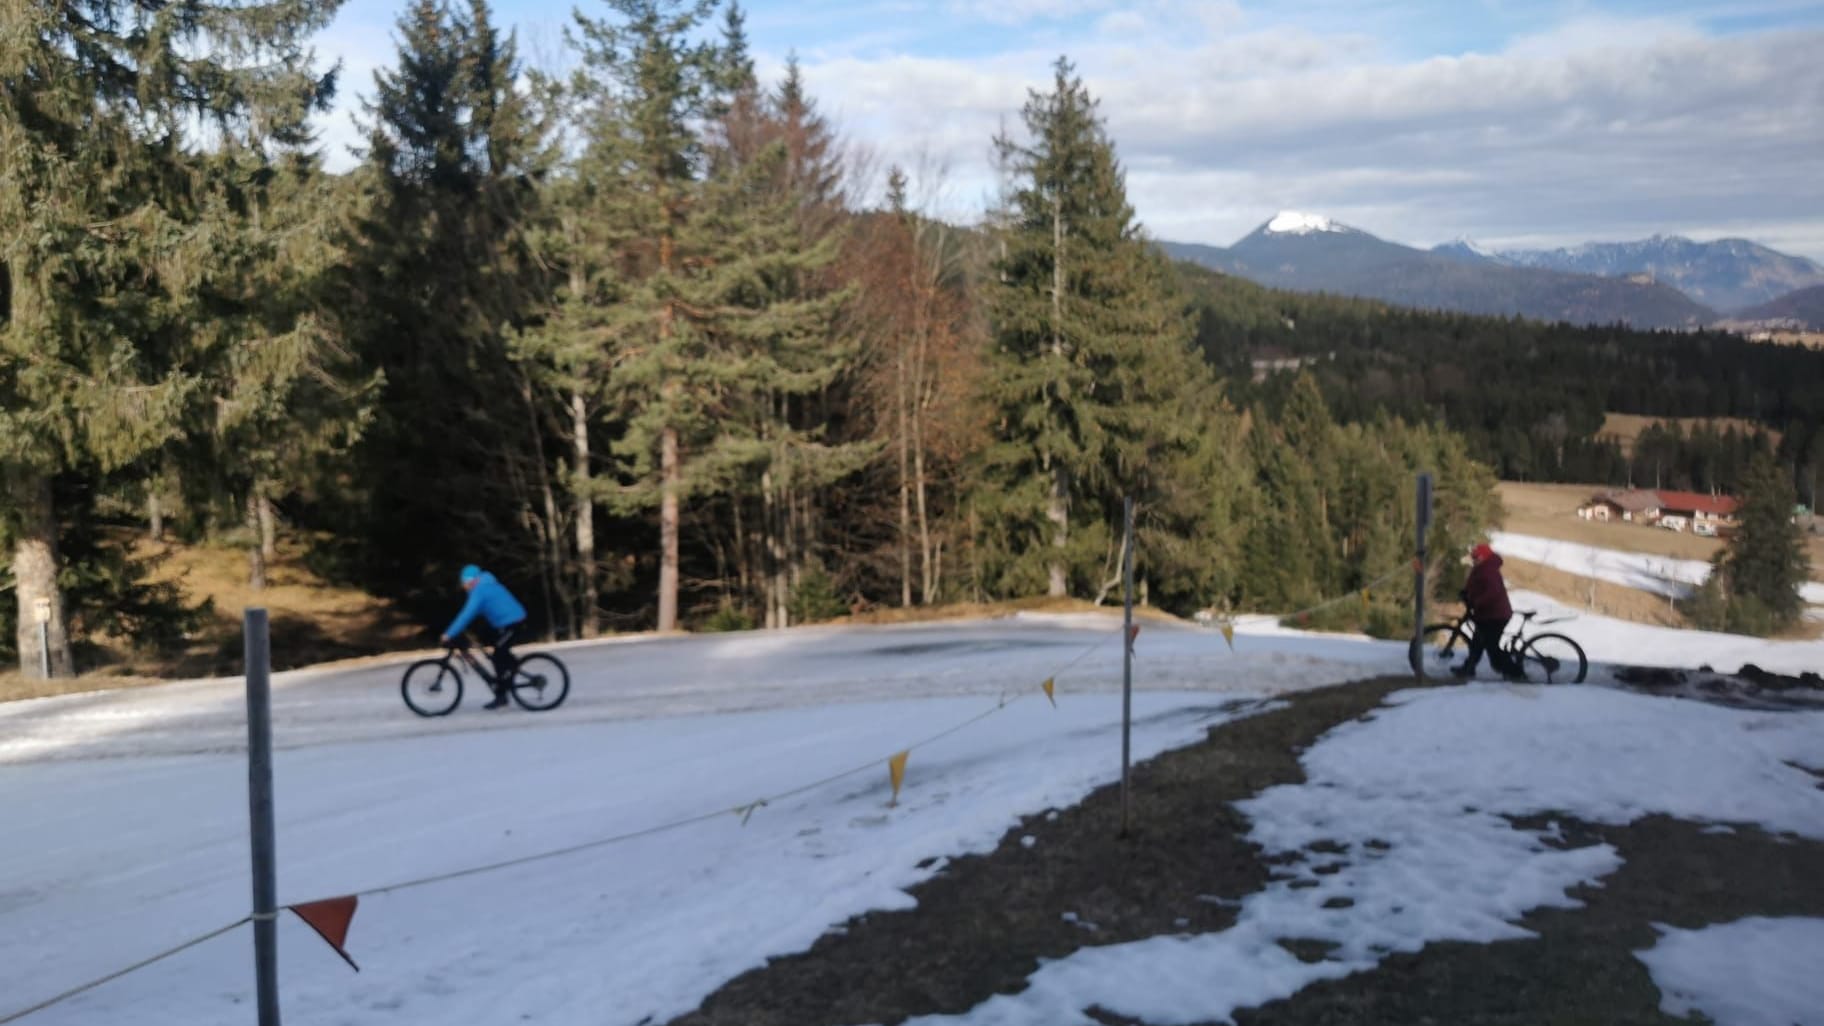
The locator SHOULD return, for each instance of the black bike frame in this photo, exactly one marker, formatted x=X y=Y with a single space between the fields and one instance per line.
x=467 y=655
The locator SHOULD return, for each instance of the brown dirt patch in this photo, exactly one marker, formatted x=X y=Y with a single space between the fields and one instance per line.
x=1580 y=968
x=983 y=925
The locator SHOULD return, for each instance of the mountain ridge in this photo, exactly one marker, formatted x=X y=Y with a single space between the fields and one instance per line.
x=1340 y=259
x=1728 y=275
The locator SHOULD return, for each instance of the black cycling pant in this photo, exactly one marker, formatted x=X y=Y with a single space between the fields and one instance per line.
x=504 y=660
x=1487 y=638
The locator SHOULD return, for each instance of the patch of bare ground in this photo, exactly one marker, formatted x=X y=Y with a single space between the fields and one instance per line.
x=983 y=924
x=313 y=621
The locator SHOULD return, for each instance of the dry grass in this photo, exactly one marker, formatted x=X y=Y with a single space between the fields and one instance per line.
x=986 y=610
x=1591 y=595
x=1550 y=511
x=312 y=622
x=1626 y=427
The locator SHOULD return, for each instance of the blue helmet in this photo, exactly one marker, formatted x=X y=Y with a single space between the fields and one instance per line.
x=470 y=572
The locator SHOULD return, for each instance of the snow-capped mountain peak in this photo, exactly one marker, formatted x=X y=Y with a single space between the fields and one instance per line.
x=1291 y=222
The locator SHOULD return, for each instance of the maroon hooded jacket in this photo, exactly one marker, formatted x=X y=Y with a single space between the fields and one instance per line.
x=1486 y=592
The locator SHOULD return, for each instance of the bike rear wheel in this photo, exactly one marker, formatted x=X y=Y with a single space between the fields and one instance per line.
x=1440 y=646
x=1556 y=658
x=540 y=682
x=431 y=687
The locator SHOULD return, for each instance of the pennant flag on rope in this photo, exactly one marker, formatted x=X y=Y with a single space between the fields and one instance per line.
x=1228 y=633
x=746 y=812
x=1050 y=686
x=1132 y=633
x=1366 y=601
x=896 y=769
x=331 y=918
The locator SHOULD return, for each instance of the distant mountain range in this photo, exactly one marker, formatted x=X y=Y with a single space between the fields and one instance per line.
x=1802 y=309
x=1728 y=275
x=1309 y=253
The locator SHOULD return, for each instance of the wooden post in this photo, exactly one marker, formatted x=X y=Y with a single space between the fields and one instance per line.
x=258 y=653
x=1416 y=654
x=1127 y=655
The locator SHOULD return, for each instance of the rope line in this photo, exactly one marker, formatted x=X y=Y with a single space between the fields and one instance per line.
x=117 y=974
x=1338 y=600
x=745 y=810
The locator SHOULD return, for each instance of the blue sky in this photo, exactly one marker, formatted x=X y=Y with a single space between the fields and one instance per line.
x=1515 y=124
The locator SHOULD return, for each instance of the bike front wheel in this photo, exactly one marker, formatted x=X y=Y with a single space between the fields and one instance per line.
x=1440 y=646
x=1556 y=658
x=431 y=687
x=540 y=682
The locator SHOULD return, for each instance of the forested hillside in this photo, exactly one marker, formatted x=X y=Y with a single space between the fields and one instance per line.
x=1528 y=396
x=644 y=340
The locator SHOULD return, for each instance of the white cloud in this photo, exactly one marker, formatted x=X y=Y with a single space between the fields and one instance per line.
x=1597 y=129
x=1594 y=127
x=1018 y=12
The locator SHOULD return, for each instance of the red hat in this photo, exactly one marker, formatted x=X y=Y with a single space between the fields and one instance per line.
x=1481 y=552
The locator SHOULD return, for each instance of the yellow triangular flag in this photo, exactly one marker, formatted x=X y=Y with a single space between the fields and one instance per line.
x=1228 y=633
x=1050 y=686
x=896 y=769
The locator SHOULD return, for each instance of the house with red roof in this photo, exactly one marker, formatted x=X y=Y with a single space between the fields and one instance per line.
x=1707 y=515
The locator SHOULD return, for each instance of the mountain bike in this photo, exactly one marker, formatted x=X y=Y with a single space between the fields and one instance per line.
x=433 y=687
x=1556 y=658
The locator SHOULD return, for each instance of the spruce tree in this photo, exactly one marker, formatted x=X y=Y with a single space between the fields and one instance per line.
x=454 y=468
x=1765 y=564
x=1092 y=369
x=105 y=105
x=722 y=323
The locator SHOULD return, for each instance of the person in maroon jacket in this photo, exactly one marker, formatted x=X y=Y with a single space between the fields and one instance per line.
x=1485 y=595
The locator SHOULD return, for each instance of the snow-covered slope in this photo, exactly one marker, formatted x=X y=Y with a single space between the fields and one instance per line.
x=1659 y=575
x=1292 y=222
x=125 y=812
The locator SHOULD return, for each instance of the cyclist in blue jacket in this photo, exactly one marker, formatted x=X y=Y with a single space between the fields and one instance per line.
x=490 y=599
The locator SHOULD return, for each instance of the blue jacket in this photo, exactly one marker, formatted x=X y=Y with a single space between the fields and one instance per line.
x=493 y=602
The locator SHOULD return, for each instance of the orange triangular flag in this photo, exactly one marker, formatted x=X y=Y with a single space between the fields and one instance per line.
x=896 y=769
x=330 y=918
x=1228 y=634
x=1132 y=633
x=1051 y=689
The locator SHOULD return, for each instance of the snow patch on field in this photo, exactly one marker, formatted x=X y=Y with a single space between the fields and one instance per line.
x=1752 y=972
x=1418 y=796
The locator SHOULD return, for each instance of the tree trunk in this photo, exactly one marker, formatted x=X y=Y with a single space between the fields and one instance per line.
x=928 y=558
x=1058 y=512
x=256 y=551
x=769 y=553
x=670 y=478
x=902 y=401
x=35 y=579
x=920 y=405
x=975 y=556
x=744 y=547
x=155 y=515
x=269 y=527
x=585 y=515
x=550 y=534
